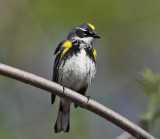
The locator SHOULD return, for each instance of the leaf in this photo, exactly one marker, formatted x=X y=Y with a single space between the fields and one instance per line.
x=150 y=84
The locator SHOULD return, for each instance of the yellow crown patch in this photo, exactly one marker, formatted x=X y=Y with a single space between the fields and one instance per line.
x=92 y=27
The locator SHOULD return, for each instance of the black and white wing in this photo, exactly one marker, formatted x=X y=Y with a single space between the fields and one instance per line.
x=57 y=52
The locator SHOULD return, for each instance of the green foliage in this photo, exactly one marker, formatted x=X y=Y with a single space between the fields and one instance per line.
x=150 y=84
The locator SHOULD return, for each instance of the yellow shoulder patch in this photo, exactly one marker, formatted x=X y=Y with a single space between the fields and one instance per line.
x=94 y=53
x=67 y=45
x=91 y=26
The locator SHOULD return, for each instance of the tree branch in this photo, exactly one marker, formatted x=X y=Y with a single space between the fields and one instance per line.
x=72 y=96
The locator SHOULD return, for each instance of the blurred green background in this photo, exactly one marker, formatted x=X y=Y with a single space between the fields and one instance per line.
x=30 y=30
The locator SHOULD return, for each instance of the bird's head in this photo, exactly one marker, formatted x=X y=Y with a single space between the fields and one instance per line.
x=85 y=32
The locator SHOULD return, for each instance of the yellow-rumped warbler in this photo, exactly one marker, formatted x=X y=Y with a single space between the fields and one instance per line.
x=74 y=68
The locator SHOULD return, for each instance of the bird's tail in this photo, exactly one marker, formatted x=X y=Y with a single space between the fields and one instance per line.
x=62 y=122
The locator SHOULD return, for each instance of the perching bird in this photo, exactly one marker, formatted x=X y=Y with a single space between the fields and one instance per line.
x=74 y=68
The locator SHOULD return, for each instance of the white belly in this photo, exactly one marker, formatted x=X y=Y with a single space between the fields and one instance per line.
x=78 y=71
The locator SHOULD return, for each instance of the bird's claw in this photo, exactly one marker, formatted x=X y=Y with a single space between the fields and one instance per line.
x=63 y=89
x=88 y=97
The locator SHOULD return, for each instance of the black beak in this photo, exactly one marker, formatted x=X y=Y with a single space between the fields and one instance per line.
x=96 y=36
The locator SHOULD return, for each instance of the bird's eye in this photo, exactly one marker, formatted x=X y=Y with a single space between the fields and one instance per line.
x=85 y=33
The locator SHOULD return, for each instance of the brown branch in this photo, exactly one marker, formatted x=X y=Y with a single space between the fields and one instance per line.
x=82 y=101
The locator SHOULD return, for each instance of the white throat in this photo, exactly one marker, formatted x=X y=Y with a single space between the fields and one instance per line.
x=87 y=39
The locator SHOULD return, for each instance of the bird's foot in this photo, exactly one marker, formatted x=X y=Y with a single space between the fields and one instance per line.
x=88 y=97
x=63 y=89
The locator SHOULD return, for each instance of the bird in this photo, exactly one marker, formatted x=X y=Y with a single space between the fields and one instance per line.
x=74 y=68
